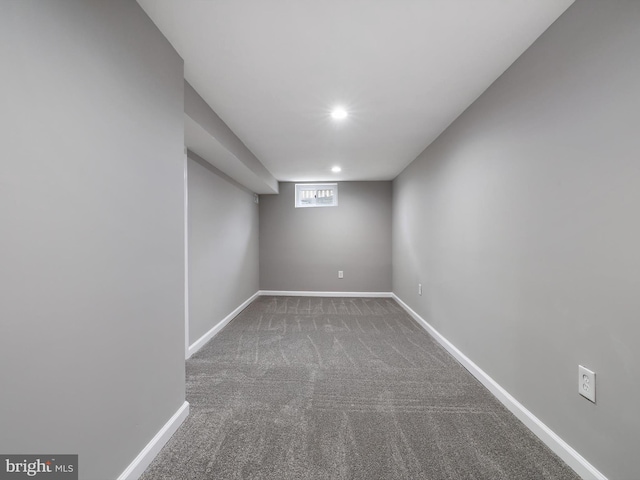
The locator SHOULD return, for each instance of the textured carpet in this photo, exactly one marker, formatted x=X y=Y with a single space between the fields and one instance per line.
x=342 y=388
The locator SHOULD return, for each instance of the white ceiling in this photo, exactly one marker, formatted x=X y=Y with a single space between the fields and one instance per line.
x=404 y=70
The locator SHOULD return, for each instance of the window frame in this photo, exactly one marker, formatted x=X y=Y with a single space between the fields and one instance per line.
x=301 y=187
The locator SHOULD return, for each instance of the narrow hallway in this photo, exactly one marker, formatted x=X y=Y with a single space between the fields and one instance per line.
x=337 y=388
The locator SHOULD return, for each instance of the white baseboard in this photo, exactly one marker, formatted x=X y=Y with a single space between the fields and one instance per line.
x=300 y=293
x=198 y=344
x=149 y=452
x=561 y=448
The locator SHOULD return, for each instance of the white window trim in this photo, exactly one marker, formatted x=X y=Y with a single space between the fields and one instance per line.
x=299 y=187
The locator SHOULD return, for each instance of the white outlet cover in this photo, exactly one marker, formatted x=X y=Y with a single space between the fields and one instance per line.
x=340 y=274
x=587 y=383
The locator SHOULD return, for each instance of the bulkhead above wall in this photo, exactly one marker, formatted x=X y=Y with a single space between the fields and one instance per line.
x=206 y=134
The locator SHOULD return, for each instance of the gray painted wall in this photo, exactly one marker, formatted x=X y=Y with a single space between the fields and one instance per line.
x=303 y=248
x=521 y=221
x=92 y=216
x=223 y=246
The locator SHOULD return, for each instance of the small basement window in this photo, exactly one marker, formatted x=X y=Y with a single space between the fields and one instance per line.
x=316 y=195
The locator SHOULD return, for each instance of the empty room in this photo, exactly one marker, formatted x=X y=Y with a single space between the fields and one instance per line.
x=319 y=240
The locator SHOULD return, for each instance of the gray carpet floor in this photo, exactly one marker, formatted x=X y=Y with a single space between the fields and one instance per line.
x=342 y=388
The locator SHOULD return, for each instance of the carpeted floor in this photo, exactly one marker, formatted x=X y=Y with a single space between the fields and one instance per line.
x=342 y=388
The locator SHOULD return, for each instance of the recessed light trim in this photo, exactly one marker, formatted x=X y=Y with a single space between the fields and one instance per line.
x=339 y=113
x=336 y=169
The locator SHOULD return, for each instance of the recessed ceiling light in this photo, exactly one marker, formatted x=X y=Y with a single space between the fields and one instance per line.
x=339 y=113
x=336 y=169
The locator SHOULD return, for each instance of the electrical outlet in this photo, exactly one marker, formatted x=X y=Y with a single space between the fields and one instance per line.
x=587 y=383
x=419 y=289
x=340 y=274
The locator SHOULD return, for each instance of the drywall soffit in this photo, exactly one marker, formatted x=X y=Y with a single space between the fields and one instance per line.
x=205 y=145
